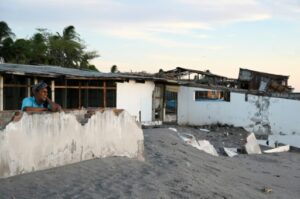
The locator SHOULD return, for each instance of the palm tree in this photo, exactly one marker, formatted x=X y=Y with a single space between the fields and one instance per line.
x=5 y=31
x=114 y=69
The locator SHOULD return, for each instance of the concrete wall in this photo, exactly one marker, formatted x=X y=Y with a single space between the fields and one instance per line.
x=261 y=115
x=135 y=97
x=41 y=141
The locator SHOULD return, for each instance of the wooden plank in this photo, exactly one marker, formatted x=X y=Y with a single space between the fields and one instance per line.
x=86 y=87
x=1 y=93
x=52 y=90
x=16 y=85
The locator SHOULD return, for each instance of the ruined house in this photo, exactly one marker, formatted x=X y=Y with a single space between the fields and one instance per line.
x=264 y=82
x=197 y=76
x=174 y=96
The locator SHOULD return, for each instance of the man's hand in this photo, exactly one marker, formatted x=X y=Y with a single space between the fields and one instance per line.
x=54 y=106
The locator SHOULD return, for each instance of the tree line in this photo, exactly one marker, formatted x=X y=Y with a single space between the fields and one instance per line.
x=43 y=47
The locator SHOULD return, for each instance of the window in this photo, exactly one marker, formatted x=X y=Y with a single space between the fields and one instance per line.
x=212 y=95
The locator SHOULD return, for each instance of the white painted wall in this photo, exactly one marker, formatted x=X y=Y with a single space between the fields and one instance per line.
x=135 y=97
x=261 y=115
x=41 y=141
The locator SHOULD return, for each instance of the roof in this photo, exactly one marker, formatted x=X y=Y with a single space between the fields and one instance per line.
x=266 y=74
x=58 y=71
x=180 y=69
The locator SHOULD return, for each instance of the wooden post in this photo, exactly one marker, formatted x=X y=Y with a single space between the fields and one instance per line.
x=65 y=94
x=52 y=90
x=28 y=87
x=1 y=93
x=79 y=96
x=35 y=80
x=104 y=94
x=86 y=95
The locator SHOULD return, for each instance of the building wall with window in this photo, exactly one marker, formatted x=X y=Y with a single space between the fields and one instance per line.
x=259 y=114
x=136 y=98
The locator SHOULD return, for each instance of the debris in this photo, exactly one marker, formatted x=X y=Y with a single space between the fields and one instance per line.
x=205 y=130
x=173 y=129
x=252 y=146
x=267 y=189
x=207 y=147
x=189 y=139
x=202 y=145
x=231 y=152
x=278 y=149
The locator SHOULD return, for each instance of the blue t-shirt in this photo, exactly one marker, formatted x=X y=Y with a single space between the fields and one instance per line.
x=31 y=102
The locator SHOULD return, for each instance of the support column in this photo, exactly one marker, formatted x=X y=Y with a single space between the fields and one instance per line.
x=79 y=96
x=53 y=90
x=65 y=94
x=35 y=80
x=28 y=87
x=1 y=93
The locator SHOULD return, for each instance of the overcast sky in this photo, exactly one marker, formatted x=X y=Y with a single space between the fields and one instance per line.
x=219 y=35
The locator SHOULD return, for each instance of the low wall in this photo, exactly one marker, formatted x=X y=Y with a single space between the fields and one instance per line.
x=46 y=140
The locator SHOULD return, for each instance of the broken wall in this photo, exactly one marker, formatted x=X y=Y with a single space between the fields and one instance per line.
x=259 y=114
x=136 y=98
x=41 y=141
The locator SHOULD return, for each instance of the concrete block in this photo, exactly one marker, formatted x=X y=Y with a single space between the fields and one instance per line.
x=252 y=146
x=205 y=145
x=202 y=145
x=278 y=149
x=231 y=152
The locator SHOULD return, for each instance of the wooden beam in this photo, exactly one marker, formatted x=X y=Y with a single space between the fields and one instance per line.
x=86 y=87
x=104 y=94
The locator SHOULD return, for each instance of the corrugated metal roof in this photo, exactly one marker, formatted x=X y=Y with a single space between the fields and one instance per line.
x=58 y=71
x=53 y=71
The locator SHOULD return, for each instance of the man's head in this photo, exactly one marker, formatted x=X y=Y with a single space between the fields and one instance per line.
x=40 y=91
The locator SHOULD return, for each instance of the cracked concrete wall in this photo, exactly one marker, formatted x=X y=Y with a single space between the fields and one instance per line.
x=261 y=115
x=41 y=141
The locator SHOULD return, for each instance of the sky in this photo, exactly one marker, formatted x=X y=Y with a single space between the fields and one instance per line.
x=219 y=35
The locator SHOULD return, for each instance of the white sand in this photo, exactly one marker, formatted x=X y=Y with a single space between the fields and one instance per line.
x=171 y=170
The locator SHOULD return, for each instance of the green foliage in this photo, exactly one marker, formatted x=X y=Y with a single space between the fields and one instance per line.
x=44 y=47
x=114 y=69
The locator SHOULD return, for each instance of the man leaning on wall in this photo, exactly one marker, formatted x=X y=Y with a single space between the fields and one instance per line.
x=40 y=101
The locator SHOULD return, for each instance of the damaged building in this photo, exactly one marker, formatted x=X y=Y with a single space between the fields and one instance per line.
x=181 y=96
x=198 y=76
x=264 y=82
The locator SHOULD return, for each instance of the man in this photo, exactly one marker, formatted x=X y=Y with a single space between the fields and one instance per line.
x=40 y=101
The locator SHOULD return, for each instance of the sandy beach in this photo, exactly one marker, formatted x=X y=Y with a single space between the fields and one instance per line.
x=172 y=169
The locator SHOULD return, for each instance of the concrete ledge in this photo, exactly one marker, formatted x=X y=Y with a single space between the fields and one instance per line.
x=46 y=140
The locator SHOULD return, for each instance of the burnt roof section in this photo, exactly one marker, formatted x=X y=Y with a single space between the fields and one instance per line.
x=69 y=73
x=183 y=70
x=273 y=76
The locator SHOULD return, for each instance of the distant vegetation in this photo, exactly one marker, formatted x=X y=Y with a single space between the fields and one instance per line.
x=43 y=47
x=114 y=69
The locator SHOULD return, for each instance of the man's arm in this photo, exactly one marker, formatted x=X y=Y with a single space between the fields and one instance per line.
x=32 y=109
x=53 y=105
x=27 y=105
